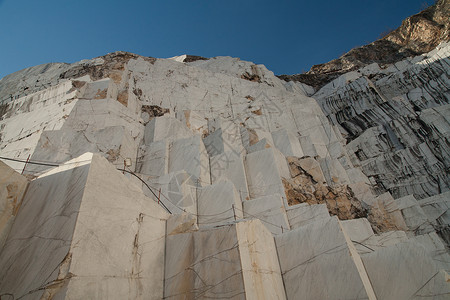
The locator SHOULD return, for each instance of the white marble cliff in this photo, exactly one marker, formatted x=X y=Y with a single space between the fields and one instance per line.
x=212 y=178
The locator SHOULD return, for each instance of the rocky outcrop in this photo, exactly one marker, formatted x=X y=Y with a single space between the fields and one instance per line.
x=416 y=35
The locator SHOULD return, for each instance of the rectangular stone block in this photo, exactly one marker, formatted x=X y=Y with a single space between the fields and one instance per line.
x=230 y=166
x=263 y=174
x=325 y=264
x=270 y=210
x=164 y=128
x=218 y=204
x=302 y=214
x=96 y=236
x=190 y=155
x=404 y=271
x=287 y=143
x=155 y=161
x=12 y=190
x=235 y=261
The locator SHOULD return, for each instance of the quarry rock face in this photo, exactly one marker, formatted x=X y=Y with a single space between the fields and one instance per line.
x=196 y=178
x=416 y=35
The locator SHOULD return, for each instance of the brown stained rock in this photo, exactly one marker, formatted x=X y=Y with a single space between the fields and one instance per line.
x=384 y=219
x=251 y=77
x=101 y=94
x=253 y=137
x=257 y=112
x=192 y=58
x=78 y=84
x=154 y=110
x=113 y=154
x=304 y=188
x=116 y=77
x=113 y=62
x=122 y=97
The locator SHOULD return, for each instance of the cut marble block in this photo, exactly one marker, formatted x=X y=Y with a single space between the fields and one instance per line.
x=358 y=230
x=325 y=265
x=363 y=192
x=270 y=210
x=12 y=189
x=231 y=136
x=379 y=241
x=260 y=145
x=307 y=146
x=165 y=127
x=230 y=166
x=62 y=221
x=405 y=271
x=302 y=214
x=436 y=249
x=218 y=203
x=155 y=161
x=263 y=173
x=178 y=191
x=214 y=143
x=312 y=167
x=415 y=218
x=237 y=261
x=355 y=175
x=114 y=143
x=194 y=121
x=181 y=223
x=437 y=210
x=95 y=90
x=190 y=155
x=287 y=143
x=334 y=172
x=93 y=115
x=230 y=133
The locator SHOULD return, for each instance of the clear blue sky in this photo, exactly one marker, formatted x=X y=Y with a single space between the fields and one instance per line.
x=287 y=36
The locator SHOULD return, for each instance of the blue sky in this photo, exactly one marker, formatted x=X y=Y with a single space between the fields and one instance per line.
x=286 y=36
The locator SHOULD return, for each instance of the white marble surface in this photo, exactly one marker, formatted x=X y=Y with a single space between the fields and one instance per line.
x=189 y=154
x=302 y=214
x=322 y=267
x=58 y=146
x=155 y=160
x=263 y=176
x=235 y=261
x=269 y=209
x=62 y=220
x=404 y=271
x=129 y=251
x=230 y=166
x=218 y=203
x=165 y=127
x=204 y=264
x=12 y=190
x=43 y=228
x=287 y=143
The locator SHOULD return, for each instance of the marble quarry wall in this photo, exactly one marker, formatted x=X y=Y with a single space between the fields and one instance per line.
x=212 y=178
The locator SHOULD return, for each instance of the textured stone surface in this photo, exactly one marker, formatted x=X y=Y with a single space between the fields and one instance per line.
x=216 y=141
x=61 y=220
x=236 y=261
x=323 y=265
x=12 y=190
x=270 y=210
x=409 y=261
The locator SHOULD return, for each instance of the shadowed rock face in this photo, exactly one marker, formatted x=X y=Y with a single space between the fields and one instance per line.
x=418 y=34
